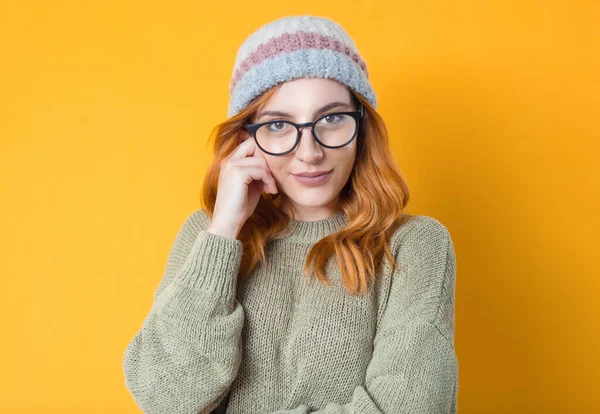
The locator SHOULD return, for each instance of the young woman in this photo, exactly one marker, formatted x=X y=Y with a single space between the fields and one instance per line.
x=301 y=286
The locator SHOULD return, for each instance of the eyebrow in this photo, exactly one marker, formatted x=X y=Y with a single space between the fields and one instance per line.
x=317 y=112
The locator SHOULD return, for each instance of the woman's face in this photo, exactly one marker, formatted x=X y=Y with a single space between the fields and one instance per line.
x=302 y=99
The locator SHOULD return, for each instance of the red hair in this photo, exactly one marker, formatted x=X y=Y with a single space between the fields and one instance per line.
x=373 y=199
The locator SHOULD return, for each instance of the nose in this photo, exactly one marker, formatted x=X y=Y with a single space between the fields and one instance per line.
x=308 y=148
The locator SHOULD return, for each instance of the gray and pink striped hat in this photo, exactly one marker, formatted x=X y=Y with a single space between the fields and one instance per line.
x=296 y=47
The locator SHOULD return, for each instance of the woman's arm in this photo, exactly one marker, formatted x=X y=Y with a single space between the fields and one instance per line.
x=188 y=351
x=414 y=367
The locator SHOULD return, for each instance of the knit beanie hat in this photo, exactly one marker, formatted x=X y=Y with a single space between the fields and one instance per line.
x=296 y=47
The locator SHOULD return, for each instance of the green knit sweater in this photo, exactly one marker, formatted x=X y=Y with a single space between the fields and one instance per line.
x=275 y=343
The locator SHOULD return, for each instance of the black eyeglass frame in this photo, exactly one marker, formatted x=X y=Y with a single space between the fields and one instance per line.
x=357 y=115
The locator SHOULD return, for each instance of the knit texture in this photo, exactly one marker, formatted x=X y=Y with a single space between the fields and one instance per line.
x=277 y=343
x=295 y=47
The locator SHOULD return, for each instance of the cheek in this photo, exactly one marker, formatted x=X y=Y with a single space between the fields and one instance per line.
x=346 y=164
x=276 y=167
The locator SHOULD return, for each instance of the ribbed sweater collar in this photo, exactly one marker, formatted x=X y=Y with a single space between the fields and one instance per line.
x=313 y=231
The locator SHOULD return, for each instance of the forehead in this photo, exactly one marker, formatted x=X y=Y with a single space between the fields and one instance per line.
x=306 y=94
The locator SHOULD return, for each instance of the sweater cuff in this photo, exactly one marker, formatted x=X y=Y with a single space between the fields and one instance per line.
x=213 y=264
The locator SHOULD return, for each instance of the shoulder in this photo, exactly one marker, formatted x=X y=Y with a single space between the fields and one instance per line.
x=418 y=231
x=423 y=286
x=196 y=221
x=190 y=227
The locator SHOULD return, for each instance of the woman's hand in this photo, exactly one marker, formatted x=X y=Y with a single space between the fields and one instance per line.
x=243 y=176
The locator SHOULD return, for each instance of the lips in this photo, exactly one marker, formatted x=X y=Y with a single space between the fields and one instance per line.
x=312 y=181
x=312 y=174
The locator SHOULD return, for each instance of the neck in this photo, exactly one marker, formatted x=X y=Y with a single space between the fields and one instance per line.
x=303 y=213
x=312 y=231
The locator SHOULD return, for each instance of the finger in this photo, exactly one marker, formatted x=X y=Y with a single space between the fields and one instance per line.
x=258 y=155
x=250 y=162
x=257 y=162
x=245 y=149
x=259 y=174
x=257 y=151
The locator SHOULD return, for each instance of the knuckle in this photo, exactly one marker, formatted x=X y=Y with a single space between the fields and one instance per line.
x=229 y=167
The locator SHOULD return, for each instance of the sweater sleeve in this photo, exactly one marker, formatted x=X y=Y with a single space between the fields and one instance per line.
x=414 y=367
x=188 y=350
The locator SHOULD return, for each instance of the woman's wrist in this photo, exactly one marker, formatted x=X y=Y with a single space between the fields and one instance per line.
x=223 y=231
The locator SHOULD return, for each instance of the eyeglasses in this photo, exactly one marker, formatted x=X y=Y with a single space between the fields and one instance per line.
x=333 y=130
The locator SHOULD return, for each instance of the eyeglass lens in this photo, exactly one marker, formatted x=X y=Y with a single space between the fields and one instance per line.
x=332 y=130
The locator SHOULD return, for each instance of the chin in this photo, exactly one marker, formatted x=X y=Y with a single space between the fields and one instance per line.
x=312 y=197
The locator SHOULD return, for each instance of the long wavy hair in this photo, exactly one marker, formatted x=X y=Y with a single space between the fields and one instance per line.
x=373 y=199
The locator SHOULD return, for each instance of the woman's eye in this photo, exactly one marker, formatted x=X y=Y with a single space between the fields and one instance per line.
x=330 y=119
x=277 y=126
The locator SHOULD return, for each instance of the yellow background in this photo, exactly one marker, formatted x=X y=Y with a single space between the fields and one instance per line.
x=105 y=111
